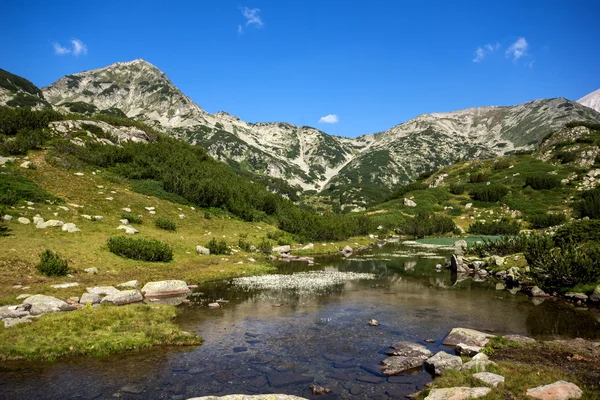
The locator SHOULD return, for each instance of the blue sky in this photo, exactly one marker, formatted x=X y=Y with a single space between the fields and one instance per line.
x=362 y=66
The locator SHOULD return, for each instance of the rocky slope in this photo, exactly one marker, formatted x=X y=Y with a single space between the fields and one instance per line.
x=352 y=172
x=591 y=100
x=16 y=91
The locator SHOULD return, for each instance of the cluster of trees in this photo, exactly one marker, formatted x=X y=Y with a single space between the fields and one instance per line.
x=505 y=226
x=427 y=224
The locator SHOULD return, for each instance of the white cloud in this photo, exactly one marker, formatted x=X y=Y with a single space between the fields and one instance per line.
x=329 y=119
x=252 y=17
x=518 y=49
x=240 y=30
x=77 y=48
x=482 y=52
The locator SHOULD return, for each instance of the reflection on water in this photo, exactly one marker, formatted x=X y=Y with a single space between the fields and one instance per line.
x=273 y=341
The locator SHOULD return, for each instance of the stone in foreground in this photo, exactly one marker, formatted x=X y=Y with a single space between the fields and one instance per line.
x=102 y=290
x=90 y=298
x=408 y=349
x=123 y=297
x=396 y=365
x=560 y=390
x=489 y=378
x=165 y=288
x=478 y=365
x=41 y=304
x=250 y=397
x=458 y=393
x=469 y=337
x=464 y=350
x=441 y=362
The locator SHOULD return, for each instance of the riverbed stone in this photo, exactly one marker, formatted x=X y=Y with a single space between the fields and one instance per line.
x=441 y=362
x=165 y=288
x=537 y=292
x=123 y=297
x=469 y=337
x=409 y=349
x=396 y=365
x=41 y=304
x=282 y=249
x=458 y=393
x=462 y=349
x=282 y=379
x=560 y=390
x=478 y=365
x=102 y=290
x=90 y=298
x=489 y=378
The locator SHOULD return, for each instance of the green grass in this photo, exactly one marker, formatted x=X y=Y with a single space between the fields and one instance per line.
x=94 y=331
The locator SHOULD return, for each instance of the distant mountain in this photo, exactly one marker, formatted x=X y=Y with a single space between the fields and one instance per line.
x=16 y=91
x=348 y=172
x=591 y=100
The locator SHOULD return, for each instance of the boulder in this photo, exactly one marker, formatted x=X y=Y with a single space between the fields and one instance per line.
x=441 y=362
x=458 y=393
x=409 y=203
x=129 y=284
x=89 y=298
x=595 y=297
x=408 y=349
x=281 y=249
x=165 y=288
x=102 y=290
x=41 y=304
x=24 y=221
x=202 y=250
x=460 y=246
x=123 y=297
x=489 y=378
x=347 y=250
x=309 y=246
x=478 y=365
x=465 y=350
x=53 y=223
x=65 y=285
x=560 y=390
x=70 y=227
x=396 y=365
x=537 y=292
x=469 y=337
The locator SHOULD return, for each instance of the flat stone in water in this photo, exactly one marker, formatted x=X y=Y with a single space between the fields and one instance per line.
x=282 y=379
x=240 y=349
x=223 y=376
x=375 y=369
x=339 y=376
x=370 y=379
x=337 y=357
x=260 y=359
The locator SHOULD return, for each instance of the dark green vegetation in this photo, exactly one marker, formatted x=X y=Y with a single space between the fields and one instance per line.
x=504 y=226
x=426 y=224
x=96 y=331
x=14 y=187
x=166 y=224
x=218 y=247
x=52 y=265
x=589 y=205
x=502 y=247
x=541 y=221
x=140 y=249
x=542 y=181
x=132 y=218
x=488 y=193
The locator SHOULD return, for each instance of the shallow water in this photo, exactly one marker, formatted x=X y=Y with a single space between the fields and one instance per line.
x=270 y=341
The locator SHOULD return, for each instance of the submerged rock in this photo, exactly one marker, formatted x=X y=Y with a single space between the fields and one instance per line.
x=458 y=393
x=560 y=390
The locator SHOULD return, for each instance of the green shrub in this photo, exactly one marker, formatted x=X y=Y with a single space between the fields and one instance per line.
x=589 y=205
x=585 y=140
x=132 y=218
x=502 y=164
x=52 y=265
x=578 y=232
x=540 y=221
x=140 y=249
x=597 y=160
x=426 y=224
x=457 y=188
x=402 y=190
x=217 y=247
x=566 y=157
x=265 y=246
x=505 y=226
x=24 y=141
x=502 y=247
x=488 y=193
x=244 y=244
x=166 y=224
x=479 y=177
x=542 y=181
x=14 y=188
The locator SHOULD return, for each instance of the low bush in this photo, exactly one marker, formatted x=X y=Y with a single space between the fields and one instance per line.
x=166 y=224
x=24 y=141
x=132 y=218
x=505 y=226
x=217 y=247
x=502 y=247
x=14 y=188
x=52 y=265
x=502 y=164
x=140 y=249
x=540 y=221
x=402 y=190
x=265 y=246
x=566 y=157
x=589 y=205
x=578 y=232
x=542 y=181
x=479 y=177
x=426 y=224
x=457 y=188
x=244 y=244
x=488 y=193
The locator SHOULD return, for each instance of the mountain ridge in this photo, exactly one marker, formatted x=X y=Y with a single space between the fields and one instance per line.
x=591 y=100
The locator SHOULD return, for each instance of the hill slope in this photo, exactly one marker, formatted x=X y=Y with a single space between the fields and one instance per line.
x=591 y=100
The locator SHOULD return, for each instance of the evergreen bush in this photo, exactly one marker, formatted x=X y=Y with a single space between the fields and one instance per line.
x=540 y=221
x=217 y=247
x=505 y=226
x=488 y=193
x=457 y=188
x=52 y=265
x=542 y=181
x=140 y=249
x=166 y=224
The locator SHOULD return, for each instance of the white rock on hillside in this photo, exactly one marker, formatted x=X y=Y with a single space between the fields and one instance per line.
x=458 y=393
x=41 y=304
x=165 y=288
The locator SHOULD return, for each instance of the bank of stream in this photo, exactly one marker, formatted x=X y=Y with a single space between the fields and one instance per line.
x=265 y=340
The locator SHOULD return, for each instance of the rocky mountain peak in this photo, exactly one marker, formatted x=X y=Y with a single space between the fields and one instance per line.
x=591 y=100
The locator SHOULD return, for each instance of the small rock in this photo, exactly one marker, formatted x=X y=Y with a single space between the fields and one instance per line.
x=24 y=221
x=70 y=227
x=78 y=173
x=281 y=249
x=458 y=393
x=478 y=365
x=489 y=378
x=462 y=349
x=123 y=297
x=480 y=357
x=537 y=292
x=441 y=362
x=89 y=298
x=165 y=288
x=318 y=390
x=374 y=322
x=41 y=304
x=202 y=250
x=92 y=270
x=98 y=218
x=7 y=217
x=500 y=286
x=126 y=209
x=214 y=305
x=560 y=390
x=102 y=290
x=129 y=284
x=519 y=338
x=65 y=285
x=469 y=337
x=409 y=203
x=25 y=164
